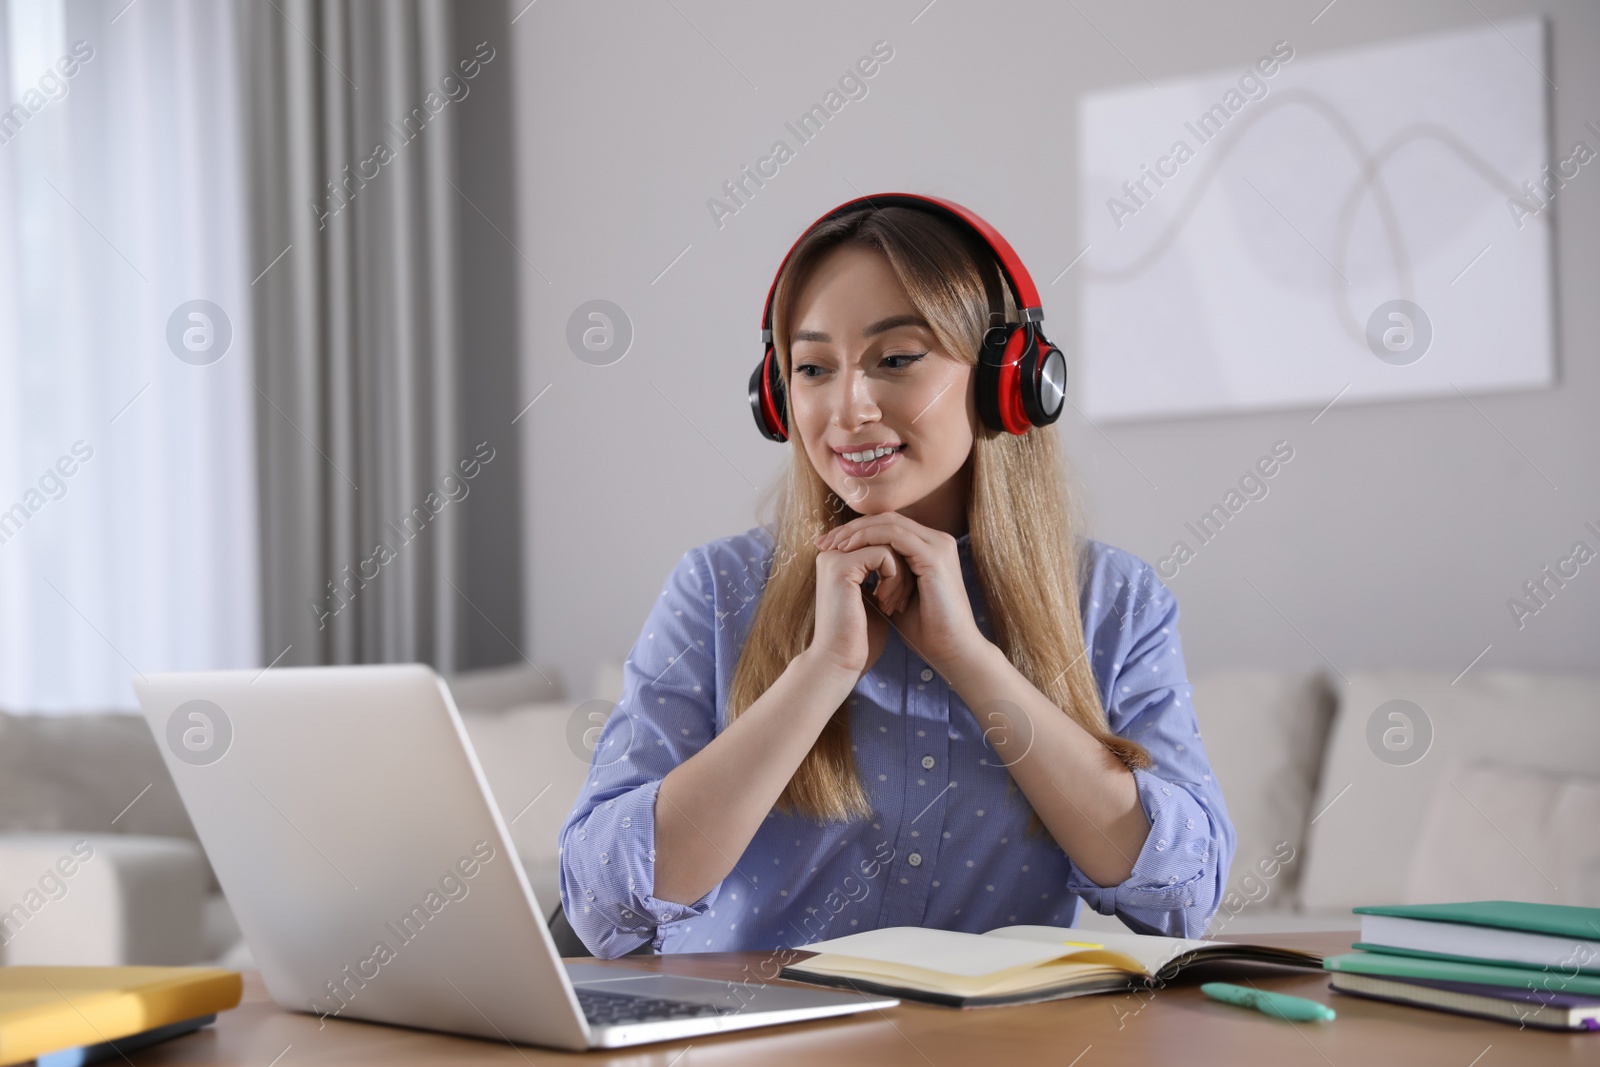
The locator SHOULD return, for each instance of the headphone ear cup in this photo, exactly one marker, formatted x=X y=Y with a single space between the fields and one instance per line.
x=767 y=401
x=991 y=356
x=780 y=397
x=1009 y=385
x=1044 y=383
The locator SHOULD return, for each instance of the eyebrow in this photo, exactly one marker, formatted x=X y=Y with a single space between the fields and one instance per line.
x=881 y=326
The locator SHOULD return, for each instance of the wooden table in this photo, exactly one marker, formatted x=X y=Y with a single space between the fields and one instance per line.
x=1174 y=1026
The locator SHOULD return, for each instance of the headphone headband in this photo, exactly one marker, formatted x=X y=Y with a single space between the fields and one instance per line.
x=1016 y=275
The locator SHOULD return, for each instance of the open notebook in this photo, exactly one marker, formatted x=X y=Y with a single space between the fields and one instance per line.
x=1015 y=964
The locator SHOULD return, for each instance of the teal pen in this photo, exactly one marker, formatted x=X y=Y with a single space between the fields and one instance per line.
x=1282 y=1005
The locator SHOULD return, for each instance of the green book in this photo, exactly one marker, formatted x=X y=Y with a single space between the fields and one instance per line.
x=1554 y=937
x=1389 y=965
x=1558 y=920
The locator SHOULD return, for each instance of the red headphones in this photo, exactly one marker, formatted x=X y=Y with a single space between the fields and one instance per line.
x=1021 y=377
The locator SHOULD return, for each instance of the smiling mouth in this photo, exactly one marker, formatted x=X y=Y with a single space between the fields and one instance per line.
x=871 y=466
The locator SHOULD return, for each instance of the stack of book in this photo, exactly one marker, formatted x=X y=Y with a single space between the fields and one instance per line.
x=1530 y=964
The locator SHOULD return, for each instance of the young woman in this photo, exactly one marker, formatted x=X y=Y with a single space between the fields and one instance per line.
x=917 y=698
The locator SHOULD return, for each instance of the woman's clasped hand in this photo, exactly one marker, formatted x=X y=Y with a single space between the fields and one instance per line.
x=920 y=589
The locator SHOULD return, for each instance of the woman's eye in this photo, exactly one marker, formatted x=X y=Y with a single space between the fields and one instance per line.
x=912 y=357
x=802 y=369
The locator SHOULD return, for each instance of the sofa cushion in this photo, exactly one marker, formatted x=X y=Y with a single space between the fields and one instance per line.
x=1499 y=833
x=500 y=688
x=535 y=775
x=97 y=773
x=105 y=900
x=610 y=678
x=1373 y=797
x=1263 y=732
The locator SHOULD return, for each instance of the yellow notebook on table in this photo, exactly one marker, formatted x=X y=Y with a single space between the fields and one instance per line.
x=47 y=1009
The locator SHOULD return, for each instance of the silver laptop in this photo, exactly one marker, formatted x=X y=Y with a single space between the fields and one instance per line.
x=352 y=829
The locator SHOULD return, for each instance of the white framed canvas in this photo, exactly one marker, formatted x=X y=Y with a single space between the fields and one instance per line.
x=1372 y=223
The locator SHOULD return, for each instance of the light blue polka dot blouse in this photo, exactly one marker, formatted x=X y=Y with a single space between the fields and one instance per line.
x=945 y=846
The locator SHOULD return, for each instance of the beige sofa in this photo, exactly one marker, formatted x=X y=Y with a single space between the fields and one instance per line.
x=1485 y=787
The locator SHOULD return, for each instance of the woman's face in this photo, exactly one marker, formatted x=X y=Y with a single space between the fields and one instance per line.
x=868 y=371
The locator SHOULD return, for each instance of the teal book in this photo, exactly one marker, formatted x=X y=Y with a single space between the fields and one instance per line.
x=1558 y=920
x=1389 y=965
x=1554 y=937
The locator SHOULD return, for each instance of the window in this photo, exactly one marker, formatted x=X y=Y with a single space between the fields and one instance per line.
x=127 y=481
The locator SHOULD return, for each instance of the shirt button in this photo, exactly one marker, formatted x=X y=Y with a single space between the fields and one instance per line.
x=915 y=859
x=927 y=674
x=927 y=763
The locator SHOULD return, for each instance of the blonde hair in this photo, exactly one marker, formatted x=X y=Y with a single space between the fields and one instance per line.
x=1024 y=538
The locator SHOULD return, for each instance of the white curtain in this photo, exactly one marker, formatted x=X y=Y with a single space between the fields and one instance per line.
x=128 y=536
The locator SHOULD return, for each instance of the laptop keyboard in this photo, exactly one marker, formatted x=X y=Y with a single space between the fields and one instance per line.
x=610 y=1009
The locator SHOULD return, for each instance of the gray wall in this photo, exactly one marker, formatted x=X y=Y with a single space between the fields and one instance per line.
x=1395 y=536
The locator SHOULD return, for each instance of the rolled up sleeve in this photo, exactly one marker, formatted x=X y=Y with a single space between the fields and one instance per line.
x=1177 y=879
x=666 y=714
